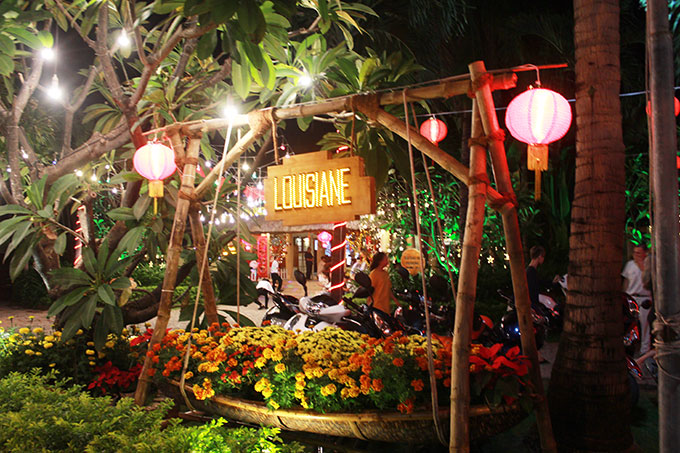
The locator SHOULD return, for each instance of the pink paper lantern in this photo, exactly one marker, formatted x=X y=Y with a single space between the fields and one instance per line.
x=538 y=117
x=324 y=236
x=155 y=162
x=434 y=130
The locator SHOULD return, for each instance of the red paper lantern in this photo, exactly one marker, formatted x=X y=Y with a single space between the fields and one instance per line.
x=676 y=104
x=155 y=162
x=538 y=117
x=434 y=130
x=324 y=236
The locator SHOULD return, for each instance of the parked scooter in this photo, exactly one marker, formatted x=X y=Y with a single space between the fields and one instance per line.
x=284 y=306
x=507 y=330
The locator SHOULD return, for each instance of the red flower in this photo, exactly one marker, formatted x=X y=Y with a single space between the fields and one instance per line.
x=398 y=362
x=417 y=385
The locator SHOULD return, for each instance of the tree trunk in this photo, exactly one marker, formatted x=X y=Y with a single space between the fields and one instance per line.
x=589 y=394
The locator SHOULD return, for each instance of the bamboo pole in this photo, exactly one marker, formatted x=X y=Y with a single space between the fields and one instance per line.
x=443 y=89
x=207 y=288
x=445 y=160
x=172 y=260
x=467 y=288
x=258 y=125
x=513 y=240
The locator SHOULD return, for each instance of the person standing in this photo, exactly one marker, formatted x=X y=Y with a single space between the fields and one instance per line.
x=309 y=262
x=380 y=279
x=274 y=271
x=634 y=287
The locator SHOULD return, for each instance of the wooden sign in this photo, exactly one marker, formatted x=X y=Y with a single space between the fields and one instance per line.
x=412 y=261
x=313 y=188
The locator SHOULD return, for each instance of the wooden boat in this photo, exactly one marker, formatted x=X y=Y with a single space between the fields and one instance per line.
x=374 y=425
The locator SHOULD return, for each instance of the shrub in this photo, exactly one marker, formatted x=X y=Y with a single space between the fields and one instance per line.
x=38 y=414
x=147 y=275
x=29 y=290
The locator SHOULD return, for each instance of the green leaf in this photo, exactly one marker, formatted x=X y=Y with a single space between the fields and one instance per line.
x=323 y=9
x=20 y=233
x=245 y=321
x=69 y=276
x=14 y=209
x=25 y=37
x=268 y=72
x=6 y=65
x=88 y=311
x=253 y=52
x=223 y=10
x=303 y=122
x=121 y=283
x=71 y=327
x=62 y=186
x=46 y=38
x=240 y=78
x=141 y=206
x=131 y=240
x=89 y=260
x=7 y=46
x=36 y=192
x=60 y=244
x=116 y=317
x=8 y=227
x=126 y=176
x=206 y=45
x=101 y=332
x=367 y=68
x=122 y=213
x=106 y=294
x=247 y=15
x=67 y=300
x=196 y=7
x=20 y=260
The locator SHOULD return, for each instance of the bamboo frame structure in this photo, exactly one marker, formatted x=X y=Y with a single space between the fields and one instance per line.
x=478 y=85
x=207 y=288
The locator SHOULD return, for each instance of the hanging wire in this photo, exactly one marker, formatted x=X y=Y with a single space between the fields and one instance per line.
x=434 y=205
x=187 y=351
x=430 y=360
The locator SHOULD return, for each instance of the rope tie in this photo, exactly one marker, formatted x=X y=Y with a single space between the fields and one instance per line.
x=191 y=196
x=272 y=120
x=479 y=83
x=667 y=339
x=481 y=178
x=497 y=135
x=506 y=199
x=482 y=141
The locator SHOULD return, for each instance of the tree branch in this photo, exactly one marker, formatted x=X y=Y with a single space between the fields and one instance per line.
x=102 y=51
x=94 y=148
x=157 y=57
x=137 y=32
x=314 y=26
x=74 y=24
x=70 y=109
x=187 y=50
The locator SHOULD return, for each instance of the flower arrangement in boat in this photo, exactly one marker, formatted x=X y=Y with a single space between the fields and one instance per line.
x=332 y=370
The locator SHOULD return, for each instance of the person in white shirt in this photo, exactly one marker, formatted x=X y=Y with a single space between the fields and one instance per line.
x=274 y=271
x=633 y=285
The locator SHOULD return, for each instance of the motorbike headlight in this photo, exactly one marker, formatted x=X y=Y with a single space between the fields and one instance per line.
x=381 y=324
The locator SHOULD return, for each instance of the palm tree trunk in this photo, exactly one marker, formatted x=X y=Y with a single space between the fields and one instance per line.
x=589 y=394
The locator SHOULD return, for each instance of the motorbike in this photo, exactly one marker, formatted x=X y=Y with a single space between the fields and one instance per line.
x=631 y=337
x=507 y=330
x=284 y=306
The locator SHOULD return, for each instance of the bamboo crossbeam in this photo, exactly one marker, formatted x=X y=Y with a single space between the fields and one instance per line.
x=172 y=260
x=467 y=289
x=207 y=289
x=514 y=247
x=445 y=160
x=444 y=89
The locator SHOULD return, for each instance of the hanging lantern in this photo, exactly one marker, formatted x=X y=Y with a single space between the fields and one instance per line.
x=434 y=130
x=538 y=117
x=324 y=237
x=155 y=162
x=676 y=104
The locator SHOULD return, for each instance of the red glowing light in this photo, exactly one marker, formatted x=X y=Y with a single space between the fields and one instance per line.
x=538 y=116
x=434 y=130
x=676 y=104
x=324 y=236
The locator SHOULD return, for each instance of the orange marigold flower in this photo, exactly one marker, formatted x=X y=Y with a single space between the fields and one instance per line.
x=156 y=347
x=404 y=340
x=232 y=362
x=417 y=385
x=377 y=385
x=398 y=362
x=447 y=382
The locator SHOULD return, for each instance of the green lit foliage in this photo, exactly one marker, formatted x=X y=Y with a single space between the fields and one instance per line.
x=637 y=200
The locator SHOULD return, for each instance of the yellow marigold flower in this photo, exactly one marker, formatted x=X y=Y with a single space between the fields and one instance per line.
x=38 y=353
x=267 y=353
x=89 y=352
x=280 y=368
x=354 y=392
x=110 y=344
x=267 y=392
x=79 y=332
x=328 y=390
x=31 y=317
x=261 y=384
x=300 y=385
x=101 y=355
x=317 y=372
x=304 y=403
x=260 y=362
x=277 y=356
x=24 y=330
x=300 y=377
x=90 y=344
x=26 y=343
x=29 y=352
x=299 y=394
x=38 y=330
x=47 y=345
x=92 y=363
x=57 y=334
x=10 y=317
x=125 y=332
x=344 y=393
x=188 y=375
x=274 y=404
x=49 y=338
x=52 y=365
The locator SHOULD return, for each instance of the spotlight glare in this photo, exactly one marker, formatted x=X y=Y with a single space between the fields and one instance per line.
x=304 y=81
x=47 y=53
x=123 y=39
x=229 y=111
x=79 y=173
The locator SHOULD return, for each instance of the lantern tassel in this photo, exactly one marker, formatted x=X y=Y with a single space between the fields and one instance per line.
x=537 y=185
x=155 y=206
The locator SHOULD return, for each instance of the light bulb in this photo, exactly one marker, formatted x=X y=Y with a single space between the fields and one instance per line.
x=123 y=39
x=93 y=177
x=259 y=186
x=114 y=190
x=208 y=163
x=229 y=111
x=202 y=218
x=54 y=91
x=245 y=166
x=79 y=173
x=47 y=53
x=304 y=81
x=23 y=154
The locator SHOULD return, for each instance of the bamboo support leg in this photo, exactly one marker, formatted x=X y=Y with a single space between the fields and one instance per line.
x=172 y=260
x=513 y=240
x=207 y=288
x=467 y=285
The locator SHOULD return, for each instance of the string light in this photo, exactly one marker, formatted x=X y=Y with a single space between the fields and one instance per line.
x=123 y=39
x=245 y=166
x=54 y=92
x=47 y=53
x=304 y=81
x=229 y=111
x=93 y=177
x=79 y=173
